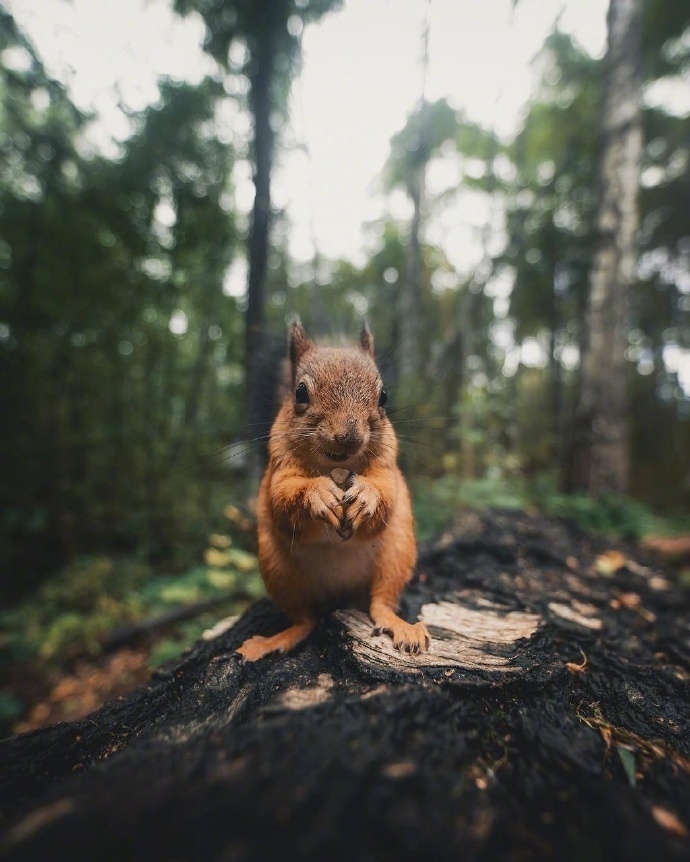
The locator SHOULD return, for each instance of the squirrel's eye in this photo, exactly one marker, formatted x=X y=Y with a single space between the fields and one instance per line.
x=302 y=394
x=383 y=397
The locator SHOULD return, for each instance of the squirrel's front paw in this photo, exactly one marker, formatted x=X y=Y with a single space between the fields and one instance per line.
x=361 y=502
x=324 y=500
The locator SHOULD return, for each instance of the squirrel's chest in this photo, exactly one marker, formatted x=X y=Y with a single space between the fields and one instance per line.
x=333 y=567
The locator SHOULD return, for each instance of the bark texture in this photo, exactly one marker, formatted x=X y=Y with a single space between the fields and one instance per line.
x=599 y=460
x=549 y=721
x=409 y=303
x=261 y=83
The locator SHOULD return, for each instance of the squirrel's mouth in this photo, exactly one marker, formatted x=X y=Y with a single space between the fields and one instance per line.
x=338 y=456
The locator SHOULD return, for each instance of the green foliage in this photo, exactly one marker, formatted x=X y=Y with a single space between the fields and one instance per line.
x=70 y=613
x=170 y=648
x=437 y=502
x=553 y=199
x=665 y=43
x=117 y=338
x=71 y=610
x=427 y=128
x=11 y=708
x=611 y=514
x=166 y=650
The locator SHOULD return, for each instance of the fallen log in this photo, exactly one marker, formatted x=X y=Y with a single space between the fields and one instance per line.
x=549 y=721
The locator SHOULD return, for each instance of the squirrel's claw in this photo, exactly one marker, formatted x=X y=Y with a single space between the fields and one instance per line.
x=324 y=501
x=345 y=530
x=361 y=501
x=406 y=637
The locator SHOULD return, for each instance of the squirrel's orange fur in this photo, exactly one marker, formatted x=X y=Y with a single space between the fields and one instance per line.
x=321 y=544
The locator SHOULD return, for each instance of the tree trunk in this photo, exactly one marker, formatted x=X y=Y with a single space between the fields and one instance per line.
x=599 y=460
x=409 y=305
x=198 y=378
x=548 y=721
x=260 y=84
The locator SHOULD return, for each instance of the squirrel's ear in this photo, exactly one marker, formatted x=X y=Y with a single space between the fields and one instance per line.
x=366 y=340
x=298 y=343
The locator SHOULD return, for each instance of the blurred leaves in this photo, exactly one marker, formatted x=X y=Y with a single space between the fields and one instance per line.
x=437 y=502
x=71 y=612
x=115 y=320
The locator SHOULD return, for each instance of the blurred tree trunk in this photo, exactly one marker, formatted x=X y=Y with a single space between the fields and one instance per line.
x=198 y=380
x=469 y=305
x=260 y=81
x=554 y=368
x=272 y=52
x=598 y=459
x=408 y=358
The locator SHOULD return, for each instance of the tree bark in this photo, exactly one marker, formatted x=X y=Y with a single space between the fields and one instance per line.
x=599 y=460
x=260 y=85
x=198 y=377
x=548 y=721
x=408 y=359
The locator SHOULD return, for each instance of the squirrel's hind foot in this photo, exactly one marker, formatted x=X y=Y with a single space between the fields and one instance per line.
x=258 y=646
x=407 y=637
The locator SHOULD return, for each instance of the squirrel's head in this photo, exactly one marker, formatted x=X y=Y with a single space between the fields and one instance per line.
x=337 y=400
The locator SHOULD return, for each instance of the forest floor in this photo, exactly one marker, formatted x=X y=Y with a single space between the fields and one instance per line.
x=72 y=695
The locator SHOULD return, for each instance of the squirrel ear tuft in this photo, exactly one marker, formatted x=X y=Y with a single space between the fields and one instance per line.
x=298 y=343
x=366 y=339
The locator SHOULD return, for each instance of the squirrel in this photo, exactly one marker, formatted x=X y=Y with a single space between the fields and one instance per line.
x=334 y=514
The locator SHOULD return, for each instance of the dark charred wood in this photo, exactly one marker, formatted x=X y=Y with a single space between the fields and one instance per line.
x=549 y=721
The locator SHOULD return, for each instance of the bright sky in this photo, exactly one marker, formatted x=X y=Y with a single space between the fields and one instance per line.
x=362 y=75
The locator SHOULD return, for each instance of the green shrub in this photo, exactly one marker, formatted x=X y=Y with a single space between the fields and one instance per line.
x=437 y=501
x=69 y=614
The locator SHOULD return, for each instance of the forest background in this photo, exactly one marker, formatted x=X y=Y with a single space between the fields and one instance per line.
x=137 y=382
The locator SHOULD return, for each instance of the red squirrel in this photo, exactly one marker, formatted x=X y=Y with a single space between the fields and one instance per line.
x=334 y=514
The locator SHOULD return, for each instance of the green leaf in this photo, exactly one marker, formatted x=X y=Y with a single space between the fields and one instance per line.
x=627 y=759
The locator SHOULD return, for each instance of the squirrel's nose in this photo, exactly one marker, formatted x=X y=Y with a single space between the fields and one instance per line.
x=349 y=435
